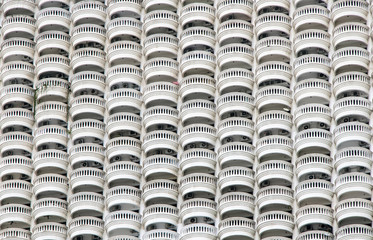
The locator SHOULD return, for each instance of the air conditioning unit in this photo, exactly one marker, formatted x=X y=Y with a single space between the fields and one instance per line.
x=80 y=141
x=311 y=176
x=193 y=220
x=117 y=158
x=189 y=196
x=84 y=164
x=307 y=126
x=265 y=183
x=322 y=125
x=232 y=189
x=230 y=139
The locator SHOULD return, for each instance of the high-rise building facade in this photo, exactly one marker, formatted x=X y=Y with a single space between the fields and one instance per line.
x=186 y=120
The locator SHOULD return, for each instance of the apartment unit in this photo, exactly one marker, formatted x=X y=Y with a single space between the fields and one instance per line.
x=186 y=120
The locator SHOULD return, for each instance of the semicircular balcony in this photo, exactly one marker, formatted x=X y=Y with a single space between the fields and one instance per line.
x=161 y=234
x=198 y=182
x=311 y=140
x=236 y=227
x=15 y=191
x=15 y=215
x=197 y=133
x=314 y=162
x=312 y=90
x=193 y=159
x=56 y=231
x=160 y=213
x=350 y=59
x=15 y=233
x=312 y=113
x=15 y=140
x=123 y=145
x=236 y=126
x=50 y=185
x=123 y=172
x=200 y=85
x=52 y=89
x=273 y=197
x=16 y=116
x=236 y=153
x=230 y=29
x=84 y=202
x=197 y=62
x=131 y=73
x=17 y=93
x=52 y=63
x=157 y=19
x=156 y=167
x=17 y=46
x=345 y=33
x=270 y=120
x=161 y=139
x=311 y=63
x=236 y=101
x=118 y=222
x=273 y=70
x=274 y=145
x=351 y=106
x=197 y=12
x=194 y=111
x=197 y=36
x=234 y=78
x=87 y=105
x=9 y=6
x=52 y=39
x=354 y=231
x=88 y=33
x=124 y=26
x=124 y=98
x=311 y=17
x=87 y=179
x=117 y=6
x=95 y=12
x=161 y=45
x=17 y=69
x=354 y=209
x=88 y=58
x=123 y=121
x=18 y=26
x=86 y=226
x=161 y=69
x=311 y=38
x=269 y=97
x=50 y=209
x=348 y=81
x=351 y=157
x=44 y=110
x=198 y=230
x=45 y=134
x=273 y=49
x=157 y=190
x=87 y=128
x=273 y=21
x=235 y=55
x=16 y=164
x=315 y=235
x=346 y=133
x=275 y=223
x=160 y=93
x=274 y=169
x=236 y=204
x=315 y=191
x=53 y=18
x=82 y=154
x=240 y=7
x=351 y=11
x=160 y=115
x=126 y=196
x=235 y=177
x=353 y=185
x=312 y=214
x=124 y=52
